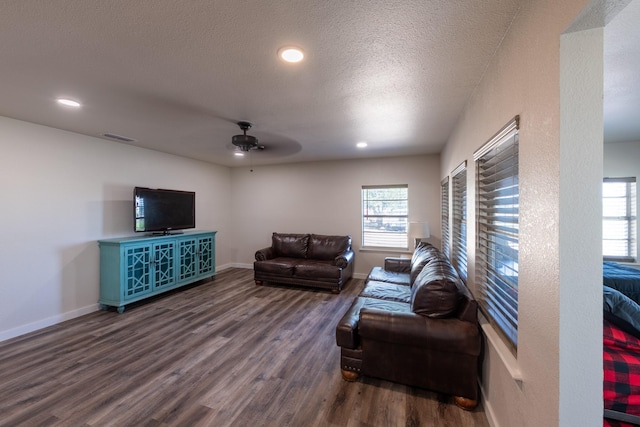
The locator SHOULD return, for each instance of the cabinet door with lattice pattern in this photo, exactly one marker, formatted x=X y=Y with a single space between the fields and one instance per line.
x=206 y=255
x=137 y=271
x=188 y=253
x=164 y=264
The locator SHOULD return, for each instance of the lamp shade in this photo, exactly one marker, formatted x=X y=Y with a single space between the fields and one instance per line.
x=419 y=230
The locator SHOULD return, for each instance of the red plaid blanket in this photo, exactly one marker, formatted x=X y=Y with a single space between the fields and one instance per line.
x=621 y=358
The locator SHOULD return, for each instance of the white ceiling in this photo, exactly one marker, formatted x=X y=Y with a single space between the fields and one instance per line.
x=176 y=75
x=622 y=76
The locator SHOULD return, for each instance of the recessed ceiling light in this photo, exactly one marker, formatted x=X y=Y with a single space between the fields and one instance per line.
x=238 y=154
x=68 y=102
x=291 y=54
x=361 y=144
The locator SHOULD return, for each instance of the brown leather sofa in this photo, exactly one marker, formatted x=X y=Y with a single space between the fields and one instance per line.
x=415 y=323
x=305 y=260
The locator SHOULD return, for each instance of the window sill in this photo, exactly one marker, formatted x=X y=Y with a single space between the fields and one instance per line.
x=508 y=359
x=380 y=249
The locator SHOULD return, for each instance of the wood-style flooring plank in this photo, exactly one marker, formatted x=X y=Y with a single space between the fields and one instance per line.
x=221 y=353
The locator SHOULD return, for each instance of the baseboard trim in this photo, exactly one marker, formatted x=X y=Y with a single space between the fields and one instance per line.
x=54 y=320
x=49 y=321
x=488 y=409
x=250 y=267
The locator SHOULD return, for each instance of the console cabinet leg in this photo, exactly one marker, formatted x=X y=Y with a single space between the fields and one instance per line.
x=259 y=282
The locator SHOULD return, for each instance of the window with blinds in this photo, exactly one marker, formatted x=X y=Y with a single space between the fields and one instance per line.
x=444 y=206
x=384 y=216
x=497 y=216
x=619 y=219
x=459 y=220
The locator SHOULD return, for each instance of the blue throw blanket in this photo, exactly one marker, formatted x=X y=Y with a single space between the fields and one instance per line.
x=624 y=278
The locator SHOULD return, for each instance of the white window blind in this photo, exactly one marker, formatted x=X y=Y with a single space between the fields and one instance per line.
x=459 y=220
x=497 y=216
x=444 y=206
x=384 y=216
x=619 y=219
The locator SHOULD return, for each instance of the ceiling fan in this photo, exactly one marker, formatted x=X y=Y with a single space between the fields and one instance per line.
x=246 y=142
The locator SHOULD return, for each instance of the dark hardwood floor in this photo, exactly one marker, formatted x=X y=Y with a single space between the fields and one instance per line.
x=223 y=353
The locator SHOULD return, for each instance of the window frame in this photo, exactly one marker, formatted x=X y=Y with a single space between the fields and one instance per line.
x=459 y=219
x=497 y=230
x=629 y=218
x=444 y=217
x=391 y=219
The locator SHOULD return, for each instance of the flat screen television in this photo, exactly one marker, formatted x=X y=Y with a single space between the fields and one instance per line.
x=162 y=211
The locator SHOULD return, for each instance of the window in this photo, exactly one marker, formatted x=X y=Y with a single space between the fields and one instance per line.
x=384 y=216
x=619 y=219
x=459 y=220
x=444 y=206
x=497 y=202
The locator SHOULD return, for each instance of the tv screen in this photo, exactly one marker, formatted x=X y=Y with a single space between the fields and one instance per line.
x=159 y=210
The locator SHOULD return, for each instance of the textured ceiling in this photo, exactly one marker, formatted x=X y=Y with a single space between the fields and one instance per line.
x=622 y=76
x=176 y=75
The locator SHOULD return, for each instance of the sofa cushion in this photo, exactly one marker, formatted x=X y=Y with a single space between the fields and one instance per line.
x=423 y=253
x=290 y=245
x=347 y=328
x=327 y=247
x=435 y=291
x=387 y=291
x=379 y=274
x=280 y=266
x=317 y=269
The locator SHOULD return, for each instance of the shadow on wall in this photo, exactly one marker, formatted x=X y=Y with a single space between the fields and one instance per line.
x=117 y=210
x=80 y=276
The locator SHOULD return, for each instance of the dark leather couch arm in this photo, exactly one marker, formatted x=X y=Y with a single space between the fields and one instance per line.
x=265 y=253
x=344 y=259
x=448 y=335
x=397 y=265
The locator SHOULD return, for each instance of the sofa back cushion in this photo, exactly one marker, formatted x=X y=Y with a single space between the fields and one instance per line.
x=327 y=247
x=435 y=290
x=423 y=253
x=290 y=245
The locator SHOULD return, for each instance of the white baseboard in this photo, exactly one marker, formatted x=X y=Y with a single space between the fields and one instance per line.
x=250 y=267
x=53 y=320
x=49 y=321
x=488 y=409
x=234 y=265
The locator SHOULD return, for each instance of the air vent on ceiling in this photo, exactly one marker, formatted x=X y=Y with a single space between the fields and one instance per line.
x=118 y=137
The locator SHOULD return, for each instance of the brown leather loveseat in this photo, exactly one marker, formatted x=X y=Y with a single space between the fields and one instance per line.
x=415 y=323
x=305 y=260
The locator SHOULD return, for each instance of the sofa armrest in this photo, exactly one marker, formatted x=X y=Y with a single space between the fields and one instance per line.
x=397 y=265
x=265 y=254
x=344 y=259
x=449 y=335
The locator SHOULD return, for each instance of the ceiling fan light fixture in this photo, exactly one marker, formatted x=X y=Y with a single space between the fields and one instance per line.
x=291 y=54
x=245 y=142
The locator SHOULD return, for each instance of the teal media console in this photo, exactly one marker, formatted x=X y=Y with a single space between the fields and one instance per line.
x=135 y=268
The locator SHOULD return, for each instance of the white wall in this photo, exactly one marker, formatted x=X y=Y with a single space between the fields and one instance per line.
x=524 y=79
x=324 y=198
x=61 y=192
x=622 y=159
